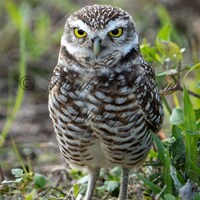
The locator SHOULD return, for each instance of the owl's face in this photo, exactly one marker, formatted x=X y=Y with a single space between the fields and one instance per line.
x=99 y=35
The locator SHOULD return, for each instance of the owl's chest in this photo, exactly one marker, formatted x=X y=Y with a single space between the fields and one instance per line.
x=102 y=118
x=107 y=102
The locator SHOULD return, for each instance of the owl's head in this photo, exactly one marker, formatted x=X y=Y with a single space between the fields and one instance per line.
x=99 y=35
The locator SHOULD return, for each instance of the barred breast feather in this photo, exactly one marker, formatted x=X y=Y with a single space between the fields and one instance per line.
x=103 y=118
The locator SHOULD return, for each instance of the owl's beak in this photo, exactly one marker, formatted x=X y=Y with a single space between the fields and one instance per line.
x=96 y=45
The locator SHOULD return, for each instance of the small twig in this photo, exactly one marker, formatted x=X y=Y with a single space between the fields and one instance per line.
x=179 y=72
x=161 y=192
x=105 y=196
x=176 y=86
x=190 y=92
x=2 y=174
x=169 y=90
x=47 y=189
x=58 y=180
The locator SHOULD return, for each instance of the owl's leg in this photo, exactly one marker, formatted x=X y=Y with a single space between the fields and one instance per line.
x=93 y=174
x=124 y=184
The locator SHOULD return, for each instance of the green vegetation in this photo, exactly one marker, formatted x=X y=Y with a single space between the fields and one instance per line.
x=19 y=16
x=170 y=164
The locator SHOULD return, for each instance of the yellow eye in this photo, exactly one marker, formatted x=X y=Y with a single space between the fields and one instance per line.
x=116 y=32
x=79 y=33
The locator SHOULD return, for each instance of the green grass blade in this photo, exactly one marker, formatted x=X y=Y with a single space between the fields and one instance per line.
x=22 y=73
x=19 y=157
x=165 y=158
x=189 y=114
x=146 y=181
x=190 y=136
x=192 y=68
x=161 y=148
x=167 y=172
x=14 y=13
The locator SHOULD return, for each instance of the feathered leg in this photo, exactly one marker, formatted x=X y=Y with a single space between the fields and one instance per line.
x=93 y=174
x=124 y=184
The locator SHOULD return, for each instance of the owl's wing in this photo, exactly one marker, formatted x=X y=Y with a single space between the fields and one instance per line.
x=148 y=97
x=56 y=79
x=59 y=78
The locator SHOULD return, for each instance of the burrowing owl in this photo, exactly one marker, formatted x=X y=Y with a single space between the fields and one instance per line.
x=103 y=99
